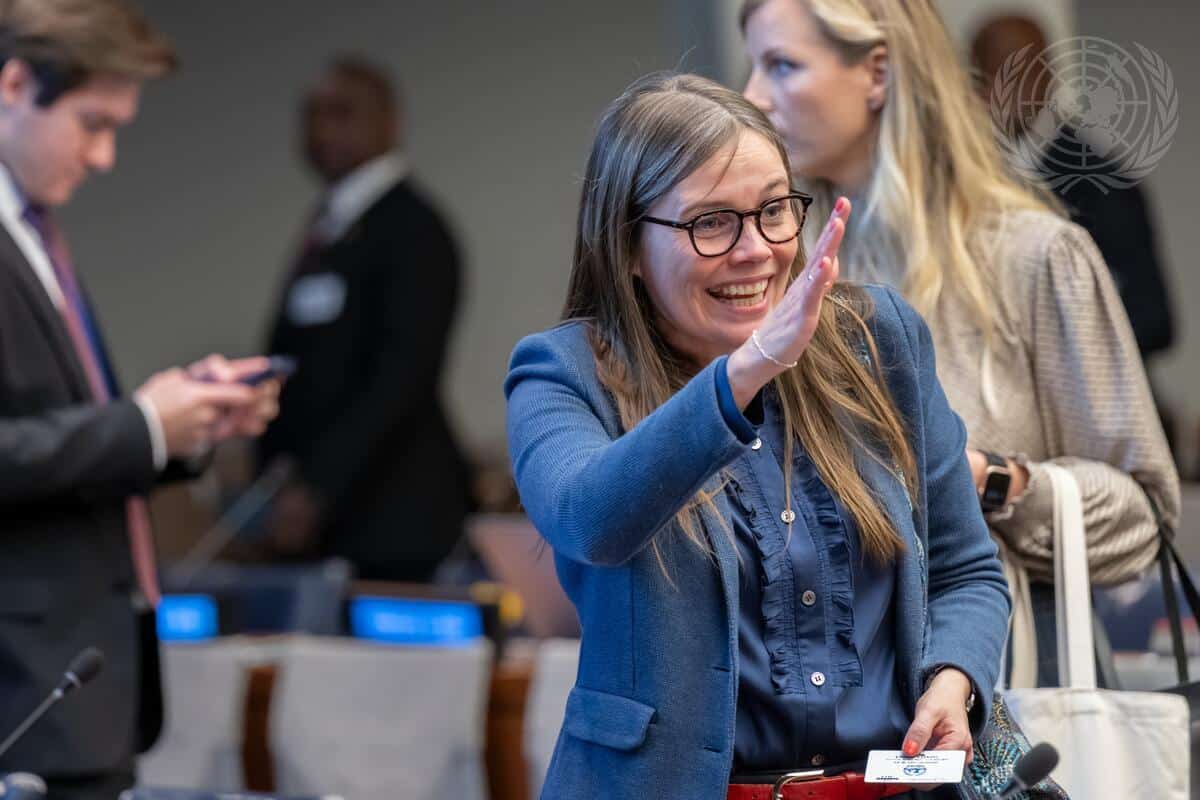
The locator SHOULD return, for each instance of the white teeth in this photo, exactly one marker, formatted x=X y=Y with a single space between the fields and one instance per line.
x=744 y=301
x=740 y=290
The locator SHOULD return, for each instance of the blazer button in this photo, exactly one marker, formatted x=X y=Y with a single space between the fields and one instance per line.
x=788 y=516
x=818 y=760
x=756 y=444
x=809 y=597
x=818 y=679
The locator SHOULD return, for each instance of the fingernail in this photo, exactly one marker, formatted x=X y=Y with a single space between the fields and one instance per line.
x=910 y=748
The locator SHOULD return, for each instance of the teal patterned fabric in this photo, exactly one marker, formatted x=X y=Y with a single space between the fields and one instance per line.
x=995 y=753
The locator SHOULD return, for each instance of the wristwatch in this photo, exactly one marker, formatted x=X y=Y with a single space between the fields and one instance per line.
x=996 y=480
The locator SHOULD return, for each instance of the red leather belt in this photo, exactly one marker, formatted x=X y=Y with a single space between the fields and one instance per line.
x=812 y=785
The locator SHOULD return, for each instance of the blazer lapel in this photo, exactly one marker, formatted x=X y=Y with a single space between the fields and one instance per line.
x=49 y=319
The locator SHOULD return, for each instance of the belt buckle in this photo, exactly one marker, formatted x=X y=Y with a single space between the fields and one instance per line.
x=794 y=777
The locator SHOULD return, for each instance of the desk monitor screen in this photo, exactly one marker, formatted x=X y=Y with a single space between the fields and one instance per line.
x=404 y=620
x=187 y=618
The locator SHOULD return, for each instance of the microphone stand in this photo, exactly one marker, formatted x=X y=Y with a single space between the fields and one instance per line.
x=253 y=500
x=37 y=714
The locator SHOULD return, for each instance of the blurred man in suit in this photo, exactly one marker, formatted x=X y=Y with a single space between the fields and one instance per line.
x=366 y=310
x=1118 y=219
x=76 y=457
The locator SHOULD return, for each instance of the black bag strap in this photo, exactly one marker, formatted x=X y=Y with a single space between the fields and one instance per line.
x=1168 y=554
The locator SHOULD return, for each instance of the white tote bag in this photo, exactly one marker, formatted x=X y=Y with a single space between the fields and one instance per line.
x=1111 y=744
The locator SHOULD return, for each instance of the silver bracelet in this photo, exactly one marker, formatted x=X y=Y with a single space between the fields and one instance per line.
x=758 y=346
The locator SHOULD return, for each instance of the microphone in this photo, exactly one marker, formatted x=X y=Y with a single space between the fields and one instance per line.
x=1030 y=769
x=83 y=668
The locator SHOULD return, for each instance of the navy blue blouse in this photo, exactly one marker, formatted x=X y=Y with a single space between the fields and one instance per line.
x=816 y=677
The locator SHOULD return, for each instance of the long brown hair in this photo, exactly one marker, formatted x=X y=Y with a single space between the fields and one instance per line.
x=658 y=132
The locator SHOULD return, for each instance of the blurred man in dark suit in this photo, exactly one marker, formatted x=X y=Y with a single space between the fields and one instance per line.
x=1117 y=219
x=366 y=310
x=77 y=561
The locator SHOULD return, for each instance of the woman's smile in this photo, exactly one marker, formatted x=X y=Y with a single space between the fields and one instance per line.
x=744 y=296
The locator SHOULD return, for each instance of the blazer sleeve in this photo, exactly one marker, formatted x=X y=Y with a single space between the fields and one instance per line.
x=599 y=499
x=1100 y=422
x=80 y=453
x=968 y=595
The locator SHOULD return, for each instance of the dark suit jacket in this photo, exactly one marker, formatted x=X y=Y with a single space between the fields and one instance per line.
x=1120 y=223
x=67 y=466
x=361 y=416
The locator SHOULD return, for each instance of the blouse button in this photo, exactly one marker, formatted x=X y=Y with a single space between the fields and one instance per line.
x=809 y=597
x=788 y=516
x=818 y=679
x=756 y=444
x=818 y=760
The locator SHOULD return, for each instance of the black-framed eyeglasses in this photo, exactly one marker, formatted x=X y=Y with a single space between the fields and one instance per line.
x=715 y=233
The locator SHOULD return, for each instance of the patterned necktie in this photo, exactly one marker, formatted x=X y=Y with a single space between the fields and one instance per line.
x=75 y=317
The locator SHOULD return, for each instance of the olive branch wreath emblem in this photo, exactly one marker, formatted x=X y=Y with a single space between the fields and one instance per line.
x=1134 y=164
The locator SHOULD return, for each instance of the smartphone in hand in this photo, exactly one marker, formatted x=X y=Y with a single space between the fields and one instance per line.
x=280 y=367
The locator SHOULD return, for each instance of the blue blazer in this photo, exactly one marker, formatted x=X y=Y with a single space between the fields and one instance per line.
x=653 y=709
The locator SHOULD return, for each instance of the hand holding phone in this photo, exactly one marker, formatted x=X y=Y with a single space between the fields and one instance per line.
x=278 y=367
x=251 y=371
x=263 y=375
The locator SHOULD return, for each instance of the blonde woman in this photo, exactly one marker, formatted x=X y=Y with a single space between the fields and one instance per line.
x=1034 y=349
x=755 y=491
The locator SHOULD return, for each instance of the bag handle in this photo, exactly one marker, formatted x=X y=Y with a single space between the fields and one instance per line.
x=1167 y=553
x=1072 y=584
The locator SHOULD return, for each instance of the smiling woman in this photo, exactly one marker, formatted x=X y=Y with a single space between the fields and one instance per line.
x=711 y=292
x=732 y=458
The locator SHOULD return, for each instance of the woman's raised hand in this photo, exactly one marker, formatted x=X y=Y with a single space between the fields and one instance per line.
x=789 y=326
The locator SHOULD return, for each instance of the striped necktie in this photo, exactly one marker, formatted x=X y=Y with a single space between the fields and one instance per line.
x=76 y=317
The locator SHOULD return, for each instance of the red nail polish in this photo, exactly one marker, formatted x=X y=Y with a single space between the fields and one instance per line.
x=910 y=748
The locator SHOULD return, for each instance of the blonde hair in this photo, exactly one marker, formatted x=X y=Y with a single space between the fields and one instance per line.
x=658 y=132
x=938 y=181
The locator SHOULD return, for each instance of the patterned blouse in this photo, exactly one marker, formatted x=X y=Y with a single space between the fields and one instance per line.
x=1063 y=384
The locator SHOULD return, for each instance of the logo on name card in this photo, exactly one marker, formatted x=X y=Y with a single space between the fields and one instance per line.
x=931 y=766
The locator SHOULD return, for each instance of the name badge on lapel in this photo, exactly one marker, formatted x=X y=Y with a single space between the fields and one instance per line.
x=316 y=299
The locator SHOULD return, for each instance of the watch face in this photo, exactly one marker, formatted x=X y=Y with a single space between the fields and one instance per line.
x=995 y=490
